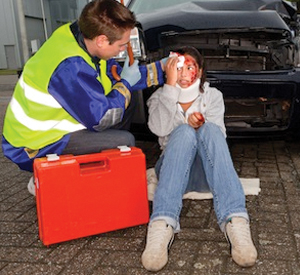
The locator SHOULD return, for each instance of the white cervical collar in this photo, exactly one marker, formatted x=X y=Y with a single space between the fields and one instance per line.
x=189 y=94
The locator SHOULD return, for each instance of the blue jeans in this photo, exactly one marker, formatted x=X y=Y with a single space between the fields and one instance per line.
x=197 y=160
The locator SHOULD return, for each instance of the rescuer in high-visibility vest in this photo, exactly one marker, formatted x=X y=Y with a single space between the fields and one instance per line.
x=66 y=100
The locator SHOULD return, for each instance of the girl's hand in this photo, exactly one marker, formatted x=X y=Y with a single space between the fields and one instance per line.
x=196 y=120
x=171 y=71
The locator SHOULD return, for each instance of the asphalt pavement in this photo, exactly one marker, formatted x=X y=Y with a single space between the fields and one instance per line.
x=200 y=247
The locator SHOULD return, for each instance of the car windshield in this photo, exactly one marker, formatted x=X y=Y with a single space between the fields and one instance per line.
x=282 y=7
x=141 y=6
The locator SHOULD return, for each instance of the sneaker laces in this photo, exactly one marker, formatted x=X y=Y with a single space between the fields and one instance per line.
x=239 y=233
x=158 y=235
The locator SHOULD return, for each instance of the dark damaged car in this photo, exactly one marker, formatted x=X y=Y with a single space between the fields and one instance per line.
x=251 y=48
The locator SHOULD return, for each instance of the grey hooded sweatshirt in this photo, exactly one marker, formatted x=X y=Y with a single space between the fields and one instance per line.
x=165 y=113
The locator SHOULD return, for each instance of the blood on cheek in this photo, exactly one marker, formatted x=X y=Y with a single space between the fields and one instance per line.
x=192 y=73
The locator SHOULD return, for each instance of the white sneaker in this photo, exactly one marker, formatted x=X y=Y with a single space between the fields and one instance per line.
x=159 y=239
x=31 y=186
x=238 y=233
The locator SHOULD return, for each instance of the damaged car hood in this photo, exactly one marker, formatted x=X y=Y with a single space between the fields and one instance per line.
x=233 y=16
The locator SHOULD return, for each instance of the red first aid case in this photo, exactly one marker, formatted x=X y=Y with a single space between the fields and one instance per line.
x=84 y=195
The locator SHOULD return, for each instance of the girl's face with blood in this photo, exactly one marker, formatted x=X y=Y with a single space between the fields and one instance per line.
x=189 y=73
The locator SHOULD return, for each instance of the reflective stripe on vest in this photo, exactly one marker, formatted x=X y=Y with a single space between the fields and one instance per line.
x=37 y=96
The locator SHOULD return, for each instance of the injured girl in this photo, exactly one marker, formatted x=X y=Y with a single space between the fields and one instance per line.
x=187 y=115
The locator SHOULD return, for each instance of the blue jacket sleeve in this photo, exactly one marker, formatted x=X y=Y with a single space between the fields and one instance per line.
x=75 y=86
x=151 y=74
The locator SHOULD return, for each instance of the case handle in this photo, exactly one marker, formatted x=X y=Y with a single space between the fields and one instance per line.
x=93 y=163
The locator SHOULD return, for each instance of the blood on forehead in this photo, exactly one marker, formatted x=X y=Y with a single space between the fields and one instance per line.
x=190 y=61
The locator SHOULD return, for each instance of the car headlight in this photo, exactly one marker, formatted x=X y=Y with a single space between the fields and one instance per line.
x=137 y=44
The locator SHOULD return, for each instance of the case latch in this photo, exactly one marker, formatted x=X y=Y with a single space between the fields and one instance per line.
x=124 y=148
x=52 y=157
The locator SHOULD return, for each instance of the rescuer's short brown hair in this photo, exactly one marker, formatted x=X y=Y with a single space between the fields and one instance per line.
x=105 y=17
